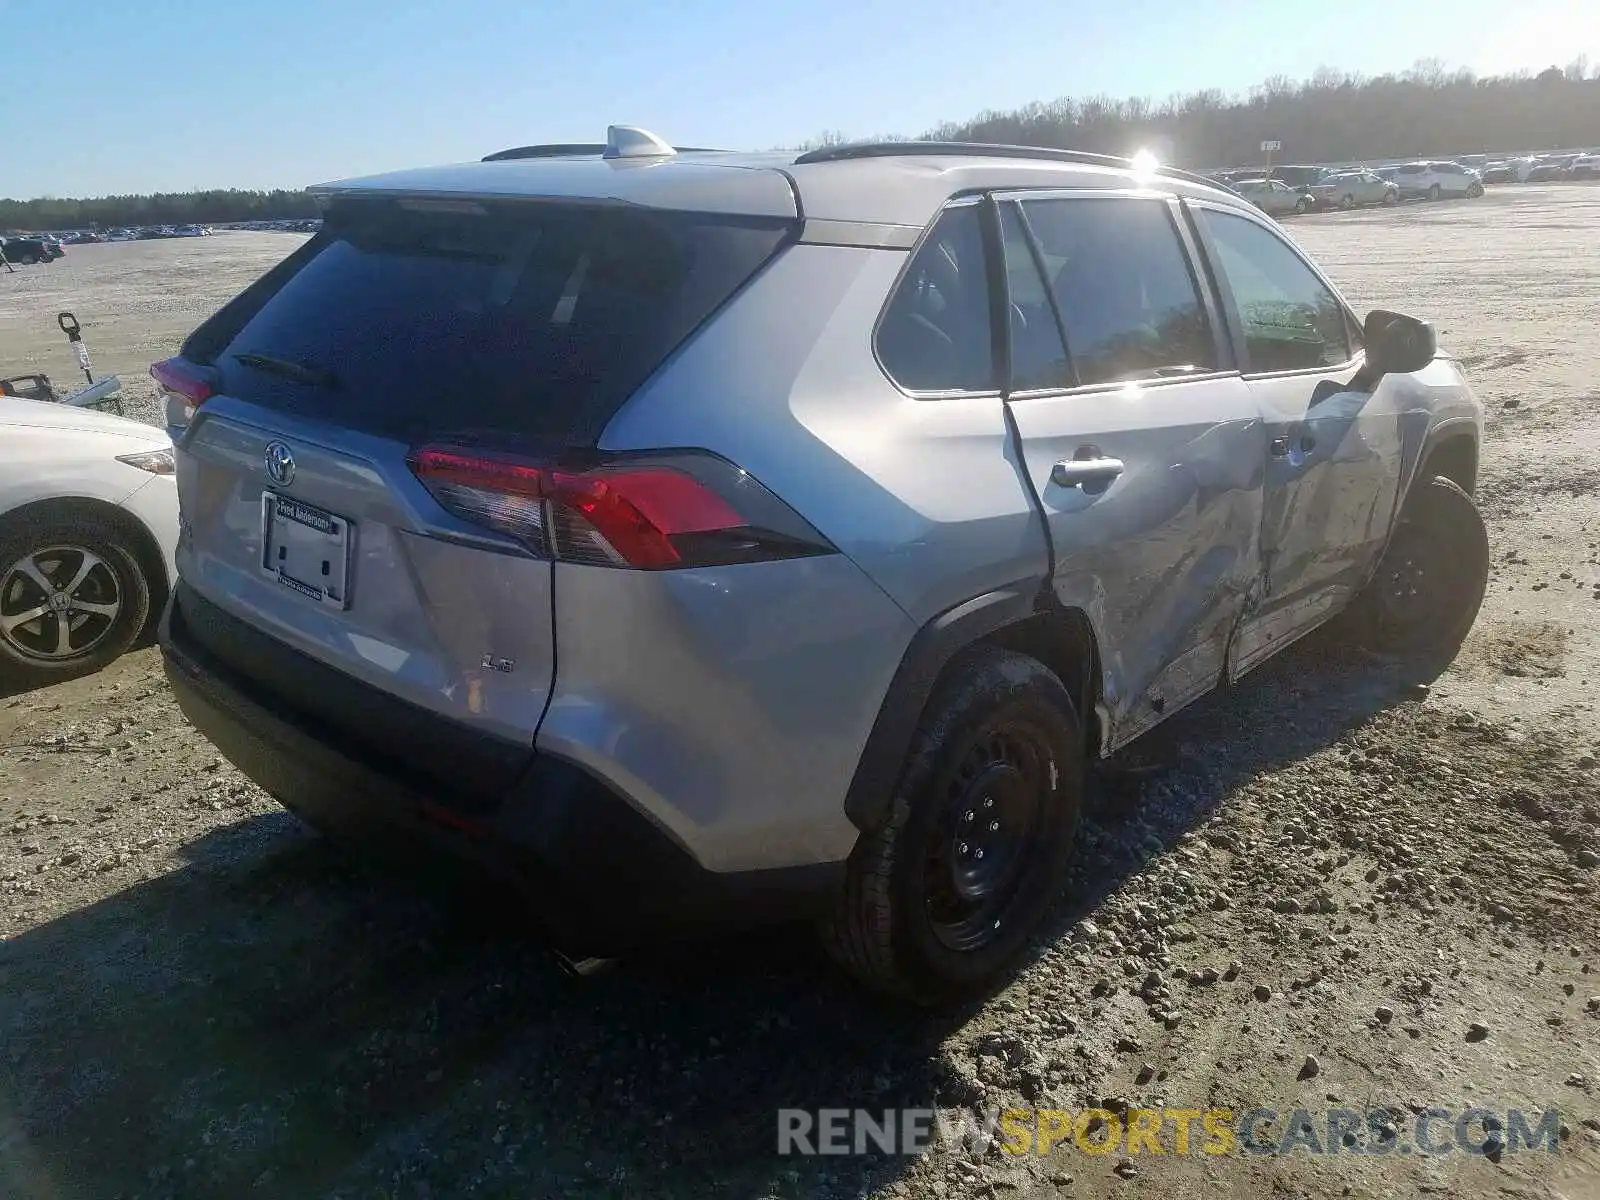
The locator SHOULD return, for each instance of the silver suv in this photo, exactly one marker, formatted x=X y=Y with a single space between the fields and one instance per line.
x=698 y=538
x=1436 y=180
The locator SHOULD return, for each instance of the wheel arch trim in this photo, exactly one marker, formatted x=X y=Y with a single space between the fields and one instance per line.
x=1451 y=432
x=930 y=651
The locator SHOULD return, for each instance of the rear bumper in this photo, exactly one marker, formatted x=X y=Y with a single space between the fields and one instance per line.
x=599 y=876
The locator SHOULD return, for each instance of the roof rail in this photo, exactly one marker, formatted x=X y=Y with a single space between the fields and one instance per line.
x=577 y=150
x=856 y=150
x=553 y=150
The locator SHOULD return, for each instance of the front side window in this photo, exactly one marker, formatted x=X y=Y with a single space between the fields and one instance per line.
x=1291 y=320
x=935 y=335
x=1121 y=281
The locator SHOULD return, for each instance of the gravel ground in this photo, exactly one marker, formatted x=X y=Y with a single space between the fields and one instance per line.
x=1349 y=891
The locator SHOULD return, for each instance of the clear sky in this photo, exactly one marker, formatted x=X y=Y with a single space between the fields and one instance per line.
x=142 y=95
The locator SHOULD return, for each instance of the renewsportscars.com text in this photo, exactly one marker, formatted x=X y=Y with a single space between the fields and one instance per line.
x=1433 y=1132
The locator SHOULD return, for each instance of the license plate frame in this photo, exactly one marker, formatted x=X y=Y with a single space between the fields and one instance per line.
x=307 y=549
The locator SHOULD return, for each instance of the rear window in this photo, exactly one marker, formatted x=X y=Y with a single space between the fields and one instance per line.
x=416 y=318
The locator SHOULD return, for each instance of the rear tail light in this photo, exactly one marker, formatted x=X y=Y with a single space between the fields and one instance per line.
x=184 y=388
x=648 y=512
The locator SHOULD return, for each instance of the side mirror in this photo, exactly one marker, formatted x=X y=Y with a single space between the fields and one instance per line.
x=1397 y=344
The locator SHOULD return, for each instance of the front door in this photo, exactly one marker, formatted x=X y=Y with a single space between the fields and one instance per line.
x=1139 y=438
x=1333 y=455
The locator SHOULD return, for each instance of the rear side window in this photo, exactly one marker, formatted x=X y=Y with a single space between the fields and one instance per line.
x=935 y=334
x=536 y=320
x=1291 y=321
x=1128 y=302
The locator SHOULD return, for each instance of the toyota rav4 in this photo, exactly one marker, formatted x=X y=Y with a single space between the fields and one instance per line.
x=696 y=538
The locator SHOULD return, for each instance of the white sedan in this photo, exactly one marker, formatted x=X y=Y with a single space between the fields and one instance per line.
x=88 y=528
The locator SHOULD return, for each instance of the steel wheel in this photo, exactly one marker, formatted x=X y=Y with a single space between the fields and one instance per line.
x=944 y=892
x=981 y=848
x=1407 y=591
x=58 y=603
x=1428 y=586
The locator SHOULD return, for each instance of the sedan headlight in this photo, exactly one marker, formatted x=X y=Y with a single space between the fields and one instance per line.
x=157 y=462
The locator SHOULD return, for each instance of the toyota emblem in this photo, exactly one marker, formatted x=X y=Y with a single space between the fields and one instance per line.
x=280 y=464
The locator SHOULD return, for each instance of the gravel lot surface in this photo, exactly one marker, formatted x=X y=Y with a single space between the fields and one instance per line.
x=1350 y=891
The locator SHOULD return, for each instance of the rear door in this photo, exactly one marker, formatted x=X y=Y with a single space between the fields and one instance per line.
x=1333 y=455
x=1138 y=435
x=516 y=328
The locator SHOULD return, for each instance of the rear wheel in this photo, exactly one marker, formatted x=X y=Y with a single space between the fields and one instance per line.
x=1433 y=192
x=72 y=598
x=1391 y=197
x=30 y=259
x=1429 y=584
x=1475 y=190
x=1301 y=205
x=948 y=891
x=1347 y=202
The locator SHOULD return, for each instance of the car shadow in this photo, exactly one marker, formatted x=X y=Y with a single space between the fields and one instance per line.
x=274 y=1018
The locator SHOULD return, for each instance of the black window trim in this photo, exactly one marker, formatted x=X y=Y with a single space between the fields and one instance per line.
x=1231 y=305
x=1225 y=349
x=1035 y=256
x=997 y=350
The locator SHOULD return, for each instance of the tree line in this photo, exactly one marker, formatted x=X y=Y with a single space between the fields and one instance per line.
x=162 y=208
x=1332 y=117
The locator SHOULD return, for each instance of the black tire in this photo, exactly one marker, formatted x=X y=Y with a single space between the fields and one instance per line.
x=1347 y=202
x=30 y=259
x=1001 y=738
x=1300 y=206
x=1433 y=192
x=1475 y=191
x=30 y=652
x=1429 y=585
x=1391 y=197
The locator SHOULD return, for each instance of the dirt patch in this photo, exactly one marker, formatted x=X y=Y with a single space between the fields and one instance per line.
x=1525 y=650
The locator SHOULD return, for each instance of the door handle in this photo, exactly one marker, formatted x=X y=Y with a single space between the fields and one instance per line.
x=1283 y=447
x=1078 y=472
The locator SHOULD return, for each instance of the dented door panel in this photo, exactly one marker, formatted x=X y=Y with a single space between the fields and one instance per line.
x=1165 y=557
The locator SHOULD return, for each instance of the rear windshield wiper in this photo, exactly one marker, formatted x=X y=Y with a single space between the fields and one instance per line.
x=288 y=369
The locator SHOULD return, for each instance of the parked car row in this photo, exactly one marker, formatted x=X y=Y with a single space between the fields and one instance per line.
x=1296 y=188
x=151 y=232
x=1309 y=187
x=303 y=225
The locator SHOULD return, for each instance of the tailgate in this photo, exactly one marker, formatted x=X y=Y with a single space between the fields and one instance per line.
x=351 y=563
